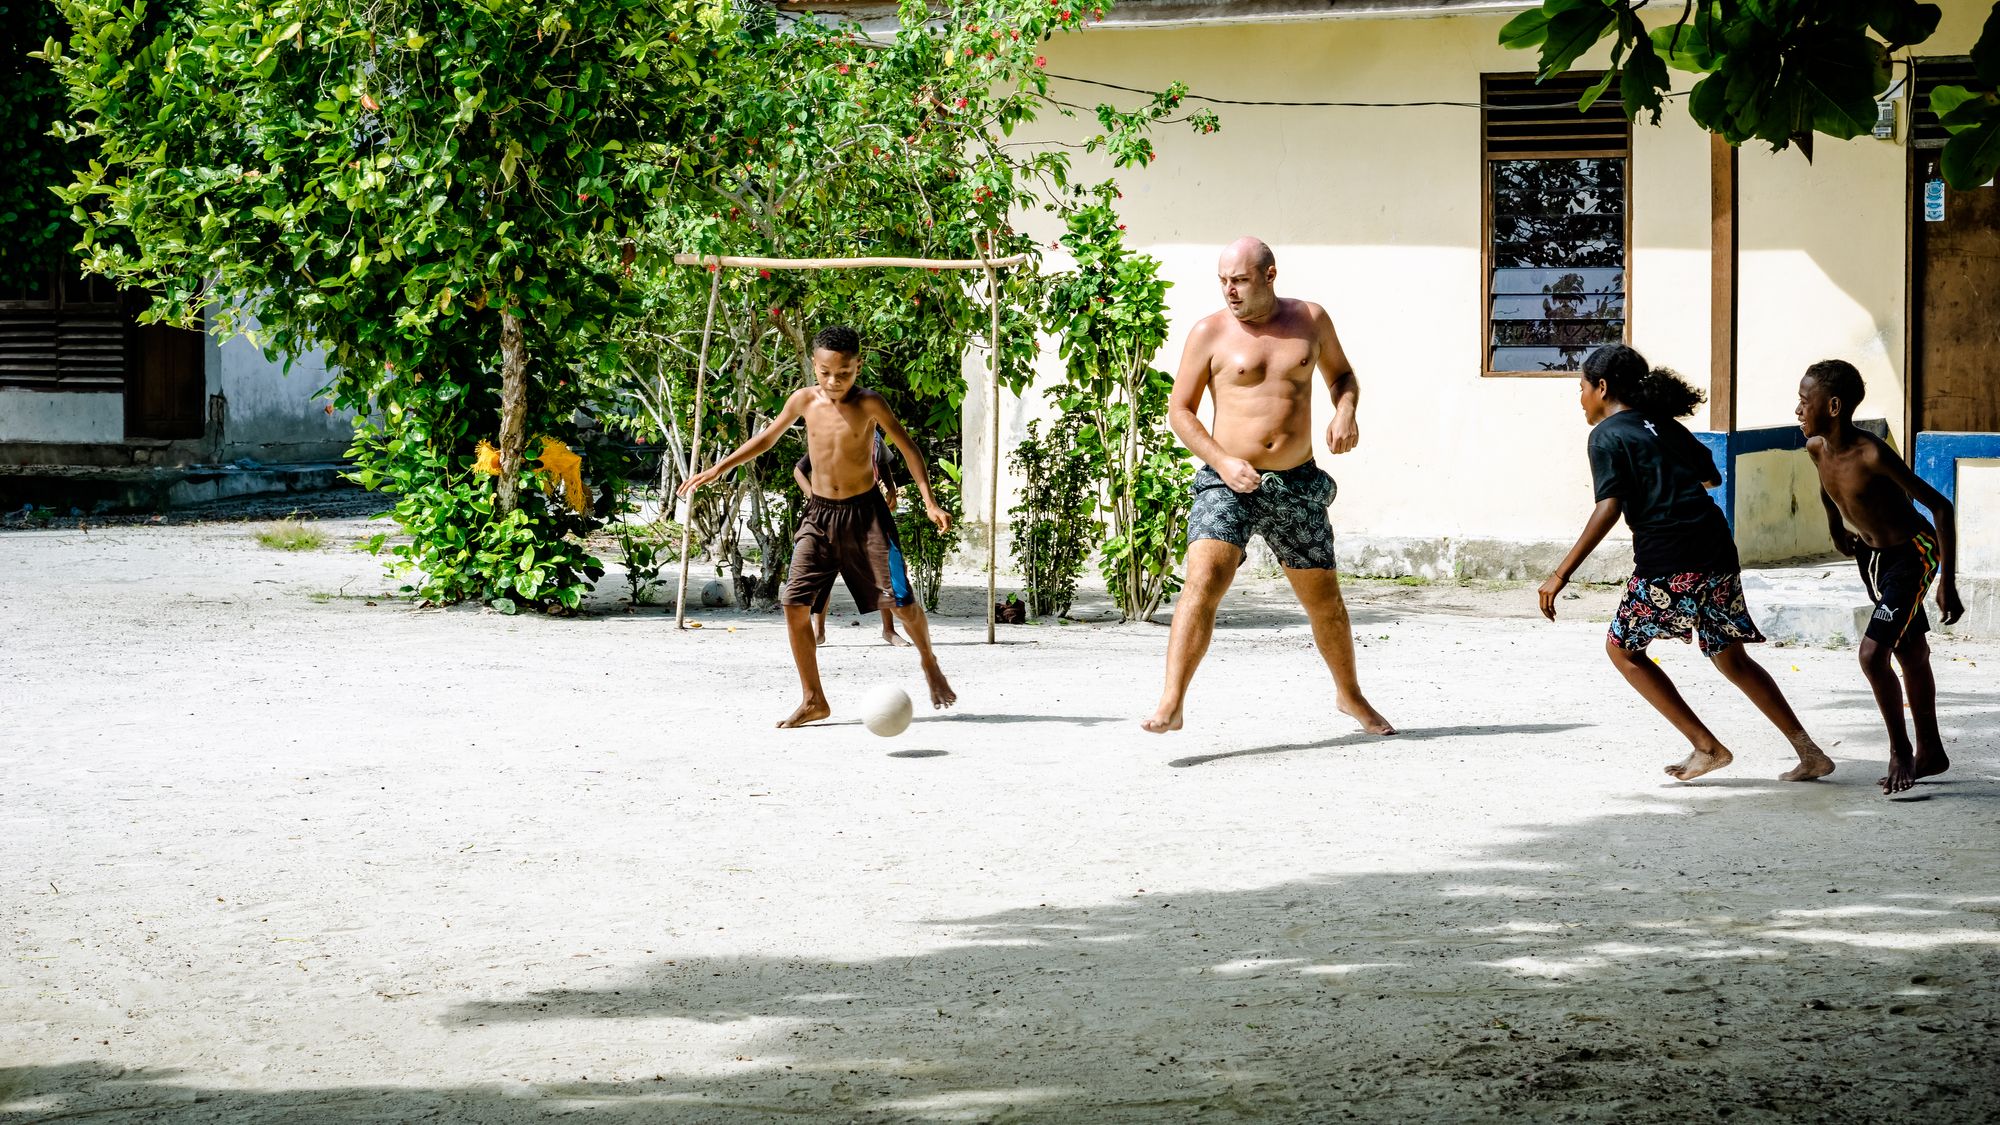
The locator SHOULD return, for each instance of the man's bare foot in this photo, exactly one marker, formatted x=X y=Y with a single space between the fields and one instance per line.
x=1163 y=720
x=1700 y=762
x=892 y=637
x=941 y=694
x=1370 y=719
x=1927 y=763
x=811 y=711
x=1813 y=765
x=819 y=633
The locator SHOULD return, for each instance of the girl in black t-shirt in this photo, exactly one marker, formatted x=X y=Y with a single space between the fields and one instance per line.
x=1686 y=581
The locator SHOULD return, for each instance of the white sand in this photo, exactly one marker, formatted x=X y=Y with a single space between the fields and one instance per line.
x=277 y=857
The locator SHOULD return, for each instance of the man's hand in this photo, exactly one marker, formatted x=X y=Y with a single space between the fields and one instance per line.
x=704 y=477
x=1843 y=540
x=1553 y=586
x=1343 y=433
x=1950 y=609
x=1239 y=475
x=940 y=518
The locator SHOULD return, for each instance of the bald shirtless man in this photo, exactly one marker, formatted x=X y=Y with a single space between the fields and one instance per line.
x=1257 y=357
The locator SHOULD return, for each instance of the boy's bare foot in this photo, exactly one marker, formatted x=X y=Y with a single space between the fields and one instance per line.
x=941 y=694
x=1163 y=720
x=819 y=633
x=1370 y=719
x=1927 y=763
x=1700 y=762
x=811 y=711
x=892 y=637
x=1813 y=765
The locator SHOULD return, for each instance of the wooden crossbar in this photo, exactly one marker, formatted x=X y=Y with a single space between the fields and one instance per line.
x=734 y=262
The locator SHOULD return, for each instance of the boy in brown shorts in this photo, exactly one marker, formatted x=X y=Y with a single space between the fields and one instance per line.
x=1867 y=492
x=847 y=531
x=802 y=473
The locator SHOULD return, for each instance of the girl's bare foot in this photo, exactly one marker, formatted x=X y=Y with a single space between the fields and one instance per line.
x=1700 y=762
x=1163 y=720
x=811 y=711
x=891 y=637
x=1370 y=719
x=1813 y=765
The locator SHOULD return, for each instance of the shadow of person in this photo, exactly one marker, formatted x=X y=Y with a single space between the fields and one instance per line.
x=1403 y=734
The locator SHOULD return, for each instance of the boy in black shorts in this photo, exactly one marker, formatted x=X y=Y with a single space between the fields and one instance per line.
x=847 y=531
x=1867 y=488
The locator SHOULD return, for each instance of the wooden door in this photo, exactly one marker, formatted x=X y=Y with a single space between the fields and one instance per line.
x=169 y=384
x=1954 y=283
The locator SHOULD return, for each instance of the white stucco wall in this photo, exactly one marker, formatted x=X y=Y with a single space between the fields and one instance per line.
x=1977 y=507
x=269 y=413
x=1376 y=213
x=61 y=416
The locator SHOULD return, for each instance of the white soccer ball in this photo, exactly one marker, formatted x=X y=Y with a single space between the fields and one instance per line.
x=886 y=711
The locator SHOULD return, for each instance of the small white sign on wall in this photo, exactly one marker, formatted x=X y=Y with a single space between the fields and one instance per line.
x=1934 y=201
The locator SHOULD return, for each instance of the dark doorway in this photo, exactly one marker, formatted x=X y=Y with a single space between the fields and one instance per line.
x=168 y=384
x=1954 y=283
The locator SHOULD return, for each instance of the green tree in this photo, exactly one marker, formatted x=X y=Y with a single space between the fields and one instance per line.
x=1111 y=313
x=419 y=188
x=836 y=144
x=1779 y=71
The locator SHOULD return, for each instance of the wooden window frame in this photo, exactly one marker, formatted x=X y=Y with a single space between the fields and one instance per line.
x=1486 y=158
x=54 y=306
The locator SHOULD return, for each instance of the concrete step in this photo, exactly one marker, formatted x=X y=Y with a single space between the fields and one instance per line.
x=93 y=490
x=1814 y=603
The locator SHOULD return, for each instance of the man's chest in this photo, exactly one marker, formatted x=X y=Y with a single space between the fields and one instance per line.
x=1252 y=361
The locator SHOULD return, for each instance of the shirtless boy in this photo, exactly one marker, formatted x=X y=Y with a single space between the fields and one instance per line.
x=847 y=531
x=1257 y=358
x=1867 y=490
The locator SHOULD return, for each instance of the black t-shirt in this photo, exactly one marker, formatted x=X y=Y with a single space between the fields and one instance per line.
x=1655 y=468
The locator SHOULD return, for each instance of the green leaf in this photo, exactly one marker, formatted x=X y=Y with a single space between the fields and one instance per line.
x=1684 y=48
x=1903 y=22
x=1525 y=30
x=1986 y=52
x=1840 y=83
x=1972 y=157
x=1573 y=32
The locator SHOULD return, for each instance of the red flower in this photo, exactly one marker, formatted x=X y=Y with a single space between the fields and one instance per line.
x=841 y=69
x=961 y=103
x=1041 y=60
x=763 y=273
x=1121 y=226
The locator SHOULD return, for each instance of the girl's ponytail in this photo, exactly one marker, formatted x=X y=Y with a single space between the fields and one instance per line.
x=1653 y=391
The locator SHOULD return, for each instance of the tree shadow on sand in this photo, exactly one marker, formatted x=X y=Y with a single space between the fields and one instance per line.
x=1660 y=964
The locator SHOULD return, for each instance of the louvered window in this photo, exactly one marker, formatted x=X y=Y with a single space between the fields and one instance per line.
x=1557 y=223
x=1925 y=132
x=69 y=334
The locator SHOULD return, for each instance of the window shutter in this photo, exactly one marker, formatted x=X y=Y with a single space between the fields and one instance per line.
x=72 y=334
x=1925 y=132
x=1526 y=118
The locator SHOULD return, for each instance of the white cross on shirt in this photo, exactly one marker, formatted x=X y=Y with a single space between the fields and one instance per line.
x=1651 y=430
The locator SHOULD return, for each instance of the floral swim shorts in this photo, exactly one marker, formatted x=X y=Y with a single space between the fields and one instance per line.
x=1288 y=510
x=1704 y=607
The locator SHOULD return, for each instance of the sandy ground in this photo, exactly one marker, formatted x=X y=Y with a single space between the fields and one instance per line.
x=275 y=849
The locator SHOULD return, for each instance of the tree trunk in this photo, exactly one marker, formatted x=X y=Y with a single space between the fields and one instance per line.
x=513 y=411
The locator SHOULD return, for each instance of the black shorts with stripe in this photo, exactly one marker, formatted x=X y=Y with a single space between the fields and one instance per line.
x=1897 y=578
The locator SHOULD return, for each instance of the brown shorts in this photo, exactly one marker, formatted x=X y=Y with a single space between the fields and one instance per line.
x=854 y=540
